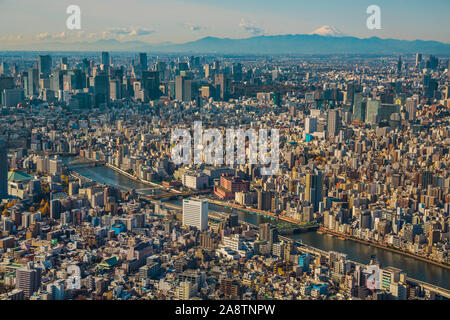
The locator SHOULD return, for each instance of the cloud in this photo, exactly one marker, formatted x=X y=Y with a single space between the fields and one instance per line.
x=193 y=27
x=43 y=36
x=250 y=27
x=12 y=38
x=126 y=32
x=61 y=35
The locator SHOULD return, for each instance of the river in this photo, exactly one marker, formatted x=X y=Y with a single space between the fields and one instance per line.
x=359 y=252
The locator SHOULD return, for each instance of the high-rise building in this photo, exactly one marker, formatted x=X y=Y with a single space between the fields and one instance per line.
x=101 y=88
x=264 y=200
x=143 y=61
x=399 y=64
x=183 y=88
x=195 y=213
x=373 y=107
x=313 y=188
x=28 y=279
x=3 y=170
x=359 y=107
x=31 y=82
x=310 y=124
x=45 y=65
x=411 y=107
x=105 y=58
x=222 y=82
x=333 y=123
x=418 y=59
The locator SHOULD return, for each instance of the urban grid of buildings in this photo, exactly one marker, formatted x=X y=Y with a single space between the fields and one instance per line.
x=364 y=155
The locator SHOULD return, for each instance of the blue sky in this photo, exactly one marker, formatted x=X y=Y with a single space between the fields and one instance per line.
x=23 y=21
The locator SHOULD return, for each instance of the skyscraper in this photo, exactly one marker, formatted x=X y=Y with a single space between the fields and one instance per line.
x=143 y=61
x=359 y=107
x=3 y=170
x=31 y=82
x=311 y=124
x=399 y=64
x=373 y=107
x=45 y=65
x=411 y=106
x=183 y=88
x=222 y=84
x=195 y=213
x=105 y=58
x=313 y=188
x=333 y=123
x=418 y=59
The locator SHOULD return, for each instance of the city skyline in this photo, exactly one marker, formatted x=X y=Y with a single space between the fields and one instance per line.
x=184 y=21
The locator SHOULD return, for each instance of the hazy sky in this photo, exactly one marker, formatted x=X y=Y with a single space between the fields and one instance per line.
x=23 y=21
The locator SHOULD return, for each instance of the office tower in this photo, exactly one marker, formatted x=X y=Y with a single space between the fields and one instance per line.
x=5 y=83
x=222 y=84
x=418 y=59
x=195 y=213
x=399 y=64
x=351 y=90
x=105 y=58
x=3 y=170
x=311 y=125
x=31 y=82
x=183 y=88
x=207 y=70
x=101 y=88
x=28 y=279
x=161 y=67
x=333 y=123
x=373 y=107
x=55 y=166
x=45 y=65
x=143 y=61
x=313 y=188
x=150 y=84
x=411 y=107
x=115 y=90
x=359 y=107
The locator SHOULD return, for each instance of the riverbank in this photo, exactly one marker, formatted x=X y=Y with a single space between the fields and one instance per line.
x=300 y=225
x=381 y=246
x=132 y=177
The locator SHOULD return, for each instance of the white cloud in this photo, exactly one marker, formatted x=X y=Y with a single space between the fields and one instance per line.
x=61 y=35
x=193 y=27
x=126 y=32
x=250 y=27
x=43 y=36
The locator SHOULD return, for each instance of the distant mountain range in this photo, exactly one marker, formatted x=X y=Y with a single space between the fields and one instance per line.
x=329 y=41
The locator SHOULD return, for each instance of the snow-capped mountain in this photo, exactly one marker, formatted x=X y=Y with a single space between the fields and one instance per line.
x=328 y=31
